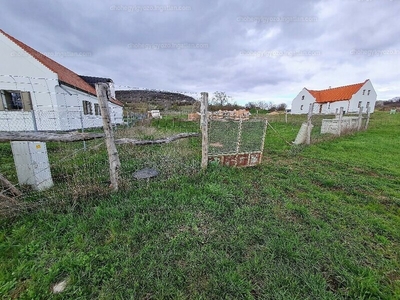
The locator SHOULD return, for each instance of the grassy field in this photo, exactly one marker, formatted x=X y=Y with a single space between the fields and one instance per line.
x=317 y=222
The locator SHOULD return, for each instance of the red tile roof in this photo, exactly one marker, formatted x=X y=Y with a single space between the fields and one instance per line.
x=336 y=94
x=65 y=75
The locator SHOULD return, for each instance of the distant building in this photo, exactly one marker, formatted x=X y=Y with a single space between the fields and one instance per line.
x=350 y=97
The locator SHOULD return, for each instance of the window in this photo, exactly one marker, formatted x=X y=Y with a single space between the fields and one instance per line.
x=302 y=97
x=363 y=92
x=368 y=104
x=329 y=105
x=359 y=104
x=301 y=107
x=87 y=107
x=15 y=100
x=97 y=110
x=369 y=91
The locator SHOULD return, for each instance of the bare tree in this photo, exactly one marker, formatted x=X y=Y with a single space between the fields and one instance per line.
x=250 y=105
x=220 y=98
x=281 y=107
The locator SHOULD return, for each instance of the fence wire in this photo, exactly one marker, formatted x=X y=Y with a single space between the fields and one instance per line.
x=80 y=170
x=232 y=137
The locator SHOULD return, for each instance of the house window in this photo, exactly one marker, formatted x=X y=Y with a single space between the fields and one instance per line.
x=369 y=91
x=97 y=110
x=363 y=92
x=359 y=104
x=15 y=100
x=329 y=105
x=302 y=97
x=368 y=104
x=87 y=107
x=301 y=107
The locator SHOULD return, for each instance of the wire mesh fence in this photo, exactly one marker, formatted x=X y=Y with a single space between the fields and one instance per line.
x=81 y=170
x=78 y=171
x=236 y=143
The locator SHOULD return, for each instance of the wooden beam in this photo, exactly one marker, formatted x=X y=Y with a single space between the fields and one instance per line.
x=309 y=124
x=339 y=129
x=368 y=116
x=42 y=136
x=9 y=186
x=103 y=92
x=7 y=199
x=359 y=118
x=204 y=130
x=154 y=142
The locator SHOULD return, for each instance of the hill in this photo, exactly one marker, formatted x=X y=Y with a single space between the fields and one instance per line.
x=157 y=98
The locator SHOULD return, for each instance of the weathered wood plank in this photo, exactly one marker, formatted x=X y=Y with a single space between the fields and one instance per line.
x=204 y=130
x=9 y=186
x=102 y=91
x=42 y=136
x=154 y=142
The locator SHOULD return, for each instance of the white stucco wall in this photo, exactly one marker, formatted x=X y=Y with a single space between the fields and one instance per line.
x=330 y=108
x=14 y=61
x=301 y=106
x=362 y=95
x=70 y=107
x=42 y=96
x=116 y=112
x=70 y=103
x=21 y=72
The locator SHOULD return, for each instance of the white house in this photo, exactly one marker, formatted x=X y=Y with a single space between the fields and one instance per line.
x=37 y=93
x=350 y=97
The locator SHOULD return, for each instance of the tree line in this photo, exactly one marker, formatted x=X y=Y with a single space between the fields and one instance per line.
x=220 y=100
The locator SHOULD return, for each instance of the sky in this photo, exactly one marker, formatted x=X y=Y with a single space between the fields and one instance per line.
x=252 y=51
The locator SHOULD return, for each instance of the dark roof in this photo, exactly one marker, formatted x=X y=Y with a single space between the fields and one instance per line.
x=93 y=80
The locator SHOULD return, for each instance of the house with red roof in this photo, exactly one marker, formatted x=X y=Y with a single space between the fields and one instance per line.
x=37 y=93
x=329 y=101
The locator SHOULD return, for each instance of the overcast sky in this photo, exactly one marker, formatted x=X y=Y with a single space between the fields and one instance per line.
x=256 y=50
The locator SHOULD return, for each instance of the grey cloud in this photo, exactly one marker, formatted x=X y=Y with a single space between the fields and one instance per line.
x=107 y=29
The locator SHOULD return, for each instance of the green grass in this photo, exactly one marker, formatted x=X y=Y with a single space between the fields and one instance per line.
x=317 y=222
